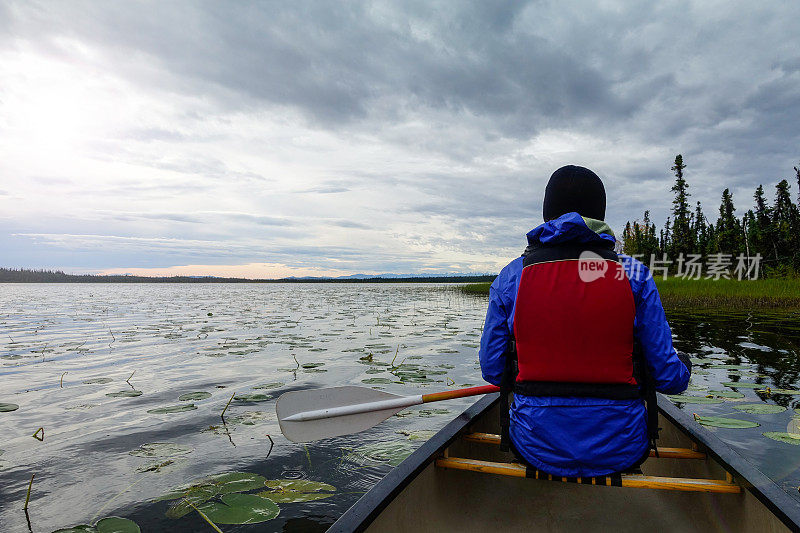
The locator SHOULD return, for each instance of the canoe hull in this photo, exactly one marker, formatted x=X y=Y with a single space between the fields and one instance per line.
x=430 y=498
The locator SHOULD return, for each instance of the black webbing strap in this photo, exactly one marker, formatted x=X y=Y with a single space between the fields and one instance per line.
x=611 y=480
x=510 y=371
x=611 y=391
x=648 y=384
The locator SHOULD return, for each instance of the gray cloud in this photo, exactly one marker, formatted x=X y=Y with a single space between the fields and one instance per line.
x=459 y=112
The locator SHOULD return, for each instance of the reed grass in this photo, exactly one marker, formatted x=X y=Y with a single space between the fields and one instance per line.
x=730 y=293
x=222 y=415
x=204 y=517
x=28 y=495
x=778 y=293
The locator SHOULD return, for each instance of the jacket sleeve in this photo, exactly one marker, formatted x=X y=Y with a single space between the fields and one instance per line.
x=495 y=335
x=654 y=334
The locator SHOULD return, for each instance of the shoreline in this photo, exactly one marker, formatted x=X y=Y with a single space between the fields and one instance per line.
x=678 y=293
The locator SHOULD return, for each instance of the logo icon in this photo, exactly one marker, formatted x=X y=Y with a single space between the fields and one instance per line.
x=591 y=266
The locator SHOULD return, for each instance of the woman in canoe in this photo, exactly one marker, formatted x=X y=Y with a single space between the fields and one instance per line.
x=566 y=326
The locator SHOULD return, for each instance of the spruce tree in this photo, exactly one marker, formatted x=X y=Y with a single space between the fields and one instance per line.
x=729 y=229
x=760 y=227
x=627 y=239
x=649 y=239
x=681 y=231
x=797 y=175
x=700 y=231
x=785 y=225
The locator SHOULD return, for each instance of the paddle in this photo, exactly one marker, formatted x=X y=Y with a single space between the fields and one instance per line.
x=314 y=414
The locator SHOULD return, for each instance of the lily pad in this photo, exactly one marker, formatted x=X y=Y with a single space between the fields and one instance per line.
x=172 y=409
x=427 y=413
x=377 y=381
x=81 y=406
x=731 y=367
x=236 y=481
x=98 y=381
x=124 y=394
x=743 y=385
x=792 y=392
x=421 y=434
x=788 y=438
x=250 y=418
x=726 y=394
x=160 y=466
x=111 y=524
x=189 y=396
x=702 y=360
x=241 y=509
x=311 y=365
x=273 y=385
x=759 y=408
x=297 y=490
x=8 y=407
x=190 y=496
x=252 y=397
x=392 y=453
x=722 y=422
x=204 y=489
x=115 y=524
x=682 y=398
x=160 y=449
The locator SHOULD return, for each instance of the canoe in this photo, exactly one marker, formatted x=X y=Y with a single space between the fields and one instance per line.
x=459 y=480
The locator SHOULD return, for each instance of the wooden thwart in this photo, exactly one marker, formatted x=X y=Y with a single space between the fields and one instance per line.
x=664 y=453
x=638 y=481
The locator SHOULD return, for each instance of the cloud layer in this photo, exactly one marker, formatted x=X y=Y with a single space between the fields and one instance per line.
x=371 y=136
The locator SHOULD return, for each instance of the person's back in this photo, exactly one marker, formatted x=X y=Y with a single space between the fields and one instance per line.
x=576 y=310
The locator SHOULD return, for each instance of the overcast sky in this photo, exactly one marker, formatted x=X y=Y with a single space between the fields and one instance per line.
x=265 y=139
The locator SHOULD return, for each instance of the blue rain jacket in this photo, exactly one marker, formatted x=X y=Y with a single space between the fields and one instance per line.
x=581 y=437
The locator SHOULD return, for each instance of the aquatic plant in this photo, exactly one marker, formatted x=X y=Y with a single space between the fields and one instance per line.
x=194 y=396
x=161 y=449
x=297 y=490
x=172 y=409
x=722 y=422
x=788 y=438
x=8 y=407
x=759 y=408
x=110 y=524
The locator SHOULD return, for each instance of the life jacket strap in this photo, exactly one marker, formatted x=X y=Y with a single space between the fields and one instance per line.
x=611 y=391
x=510 y=371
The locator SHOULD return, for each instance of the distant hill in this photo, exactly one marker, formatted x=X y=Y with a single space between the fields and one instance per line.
x=11 y=275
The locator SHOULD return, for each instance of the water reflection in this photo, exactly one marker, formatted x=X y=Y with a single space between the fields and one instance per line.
x=110 y=372
x=71 y=357
x=758 y=357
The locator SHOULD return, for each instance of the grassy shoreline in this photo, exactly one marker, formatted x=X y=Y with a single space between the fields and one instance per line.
x=706 y=293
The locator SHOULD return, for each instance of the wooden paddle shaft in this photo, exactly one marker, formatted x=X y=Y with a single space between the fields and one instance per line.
x=397 y=403
x=459 y=393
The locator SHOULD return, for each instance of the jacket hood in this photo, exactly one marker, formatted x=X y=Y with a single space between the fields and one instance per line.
x=571 y=227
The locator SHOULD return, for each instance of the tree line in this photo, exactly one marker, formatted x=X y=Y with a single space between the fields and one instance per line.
x=771 y=230
x=24 y=275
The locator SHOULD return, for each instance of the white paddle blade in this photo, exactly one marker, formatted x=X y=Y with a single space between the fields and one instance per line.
x=295 y=402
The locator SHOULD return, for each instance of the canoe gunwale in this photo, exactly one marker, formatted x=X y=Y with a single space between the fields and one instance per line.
x=365 y=510
x=756 y=482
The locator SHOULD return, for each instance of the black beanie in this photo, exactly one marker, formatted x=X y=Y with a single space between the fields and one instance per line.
x=576 y=189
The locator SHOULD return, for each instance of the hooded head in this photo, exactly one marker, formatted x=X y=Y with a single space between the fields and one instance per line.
x=572 y=188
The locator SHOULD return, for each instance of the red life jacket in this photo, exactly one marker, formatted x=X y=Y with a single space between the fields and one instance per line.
x=573 y=320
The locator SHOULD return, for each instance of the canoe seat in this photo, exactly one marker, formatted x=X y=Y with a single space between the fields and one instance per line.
x=638 y=481
x=663 y=453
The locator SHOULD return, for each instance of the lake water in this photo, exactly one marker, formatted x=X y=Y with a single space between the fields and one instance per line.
x=102 y=369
